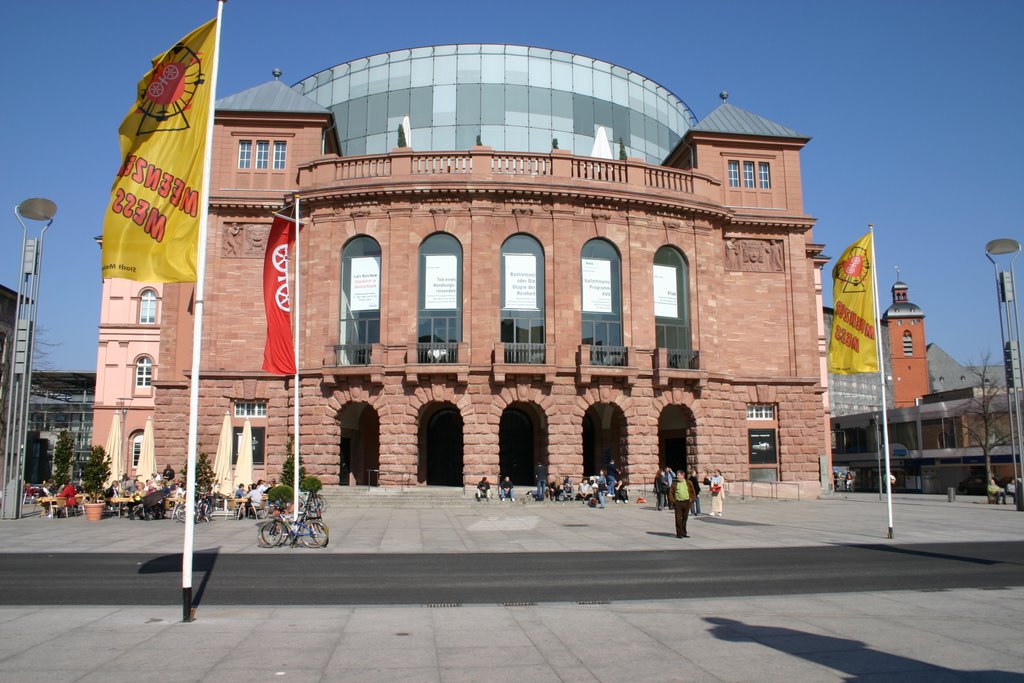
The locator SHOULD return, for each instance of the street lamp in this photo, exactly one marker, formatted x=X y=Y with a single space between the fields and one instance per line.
x=19 y=388
x=1009 y=331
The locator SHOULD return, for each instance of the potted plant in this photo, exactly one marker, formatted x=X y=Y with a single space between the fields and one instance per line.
x=95 y=475
x=280 y=496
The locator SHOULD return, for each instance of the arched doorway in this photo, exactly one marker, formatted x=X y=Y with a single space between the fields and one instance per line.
x=604 y=440
x=359 y=445
x=443 y=448
x=516 y=446
x=675 y=433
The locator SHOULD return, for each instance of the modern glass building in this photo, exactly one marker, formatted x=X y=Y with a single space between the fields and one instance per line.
x=510 y=97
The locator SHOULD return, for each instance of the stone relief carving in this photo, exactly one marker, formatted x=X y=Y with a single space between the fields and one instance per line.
x=758 y=256
x=245 y=241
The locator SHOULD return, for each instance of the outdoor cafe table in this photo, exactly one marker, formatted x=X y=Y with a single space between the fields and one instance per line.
x=119 y=501
x=51 y=503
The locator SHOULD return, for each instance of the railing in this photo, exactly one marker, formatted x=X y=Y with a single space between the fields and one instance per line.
x=608 y=355
x=437 y=352
x=352 y=354
x=588 y=168
x=354 y=168
x=525 y=354
x=680 y=359
x=442 y=164
x=667 y=179
x=765 y=489
x=520 y=164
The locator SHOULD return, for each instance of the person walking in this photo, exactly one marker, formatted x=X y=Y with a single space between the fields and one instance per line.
x=601 y=487
x=696 y=492
x=661 y=483
x=717 y=493
x=541 y=474
x=681 y=497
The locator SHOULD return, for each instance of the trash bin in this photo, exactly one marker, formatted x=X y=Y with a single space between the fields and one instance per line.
x=951 y=495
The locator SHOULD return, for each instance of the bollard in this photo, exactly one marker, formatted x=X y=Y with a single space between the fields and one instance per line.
x=951 y=495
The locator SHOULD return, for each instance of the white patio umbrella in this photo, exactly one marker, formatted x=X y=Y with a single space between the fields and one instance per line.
x=147 y=457
x=243 y=468
x=222 y=463
x=602 y=148
x=114 y=448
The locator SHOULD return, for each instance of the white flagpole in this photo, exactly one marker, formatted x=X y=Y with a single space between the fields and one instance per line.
x=881 y=377
x=297 y=321
x=197 y=340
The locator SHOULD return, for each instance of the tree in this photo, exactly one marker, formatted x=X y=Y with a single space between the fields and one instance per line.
x=96 y=473
x=401 y=136
x=622 y=150
x=554 y=143
x=986 y=421
x=204 y=473
x=288 y=468
x=479 y=141
x=63 y=454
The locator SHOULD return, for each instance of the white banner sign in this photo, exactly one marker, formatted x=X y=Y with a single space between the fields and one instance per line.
x=666 y=299
x=521 y=282
x=597 y=285
x=440 y=282
x=364 y=285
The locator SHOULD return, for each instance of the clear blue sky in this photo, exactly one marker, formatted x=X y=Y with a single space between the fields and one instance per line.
x=914 y=109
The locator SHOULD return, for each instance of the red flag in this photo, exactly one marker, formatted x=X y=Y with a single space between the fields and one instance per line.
x=278 y=354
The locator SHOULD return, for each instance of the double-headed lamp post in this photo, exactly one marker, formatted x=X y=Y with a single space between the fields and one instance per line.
x=1009 y=330
x=20 y=385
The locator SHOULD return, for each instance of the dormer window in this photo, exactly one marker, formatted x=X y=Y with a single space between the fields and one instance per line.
x=756 y=175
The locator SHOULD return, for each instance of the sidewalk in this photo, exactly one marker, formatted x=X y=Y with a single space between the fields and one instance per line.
x=955 y=635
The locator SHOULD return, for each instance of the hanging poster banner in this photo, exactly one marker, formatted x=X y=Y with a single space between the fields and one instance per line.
x=364 y=284
x=440 y=282
x=666 y=298
x=520 y=282
x=597 y=285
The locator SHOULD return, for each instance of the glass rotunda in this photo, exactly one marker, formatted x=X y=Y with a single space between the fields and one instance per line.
x=509 y=97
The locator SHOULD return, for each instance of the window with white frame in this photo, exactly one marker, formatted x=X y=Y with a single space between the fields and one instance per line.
x=262 y=153
x=251 y=409
x=764 y=176
x=147 y=307
x=760 y=411
x=245 y=154
x=144 y=372
x=136 y=449
x=734 y=174
x=280 y=155
x=748 y=174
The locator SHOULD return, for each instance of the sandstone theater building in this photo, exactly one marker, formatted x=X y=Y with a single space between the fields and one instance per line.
x=502 y=291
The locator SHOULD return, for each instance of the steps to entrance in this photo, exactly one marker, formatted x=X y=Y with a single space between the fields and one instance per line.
x=411 y=497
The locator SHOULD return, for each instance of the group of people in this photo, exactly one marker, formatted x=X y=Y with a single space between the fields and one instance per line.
x=593 y=491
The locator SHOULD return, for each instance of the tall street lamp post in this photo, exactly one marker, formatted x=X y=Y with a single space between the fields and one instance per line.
x=1009 y=330
x=19 y=389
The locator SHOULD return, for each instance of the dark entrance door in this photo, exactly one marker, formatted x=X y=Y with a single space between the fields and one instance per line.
x=589 y=447
x=515 y=447
x=444 y=449
x=675 y=454
x=345 y=452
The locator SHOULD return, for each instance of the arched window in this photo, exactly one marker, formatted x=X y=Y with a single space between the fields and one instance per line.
x=600 y=279
x=908 y=344
x=360 y=300
x=144 y=372
x=147 y=307
x=439 y=326
x=136 y=442
x=522 y=299
x=672 y=306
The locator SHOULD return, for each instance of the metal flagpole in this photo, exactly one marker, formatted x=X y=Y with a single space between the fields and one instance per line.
x=188 y=614
x=881 y=377
x=296 y=320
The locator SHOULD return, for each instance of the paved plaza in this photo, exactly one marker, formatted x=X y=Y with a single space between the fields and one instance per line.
x=963 y=634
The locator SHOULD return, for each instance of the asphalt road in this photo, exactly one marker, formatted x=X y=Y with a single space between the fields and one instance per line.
x=305 y=578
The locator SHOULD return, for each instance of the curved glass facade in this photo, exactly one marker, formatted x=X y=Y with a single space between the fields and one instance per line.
x=515 y=98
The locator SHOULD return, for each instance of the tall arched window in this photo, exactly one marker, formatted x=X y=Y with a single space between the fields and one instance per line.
x=908 y=343
x=144 y=372
x=601 y=285
x=136 y=442
x=672 y=306
x=360 y=300
x=440 y=299
x=147 y=307
x=522 y=299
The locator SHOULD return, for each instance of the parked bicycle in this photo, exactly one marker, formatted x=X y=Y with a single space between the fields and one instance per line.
x=312 y=533
x=204 y=509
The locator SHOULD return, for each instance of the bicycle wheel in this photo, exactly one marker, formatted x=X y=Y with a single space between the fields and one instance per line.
x=272 y=533
x=178 y=513
x=315 y=535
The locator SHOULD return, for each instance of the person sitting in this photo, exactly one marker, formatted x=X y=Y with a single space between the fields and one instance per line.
x=585 y=491
x=621 y=494
x=68 y=493
x=995 y=492
x=565 y=490
x=1010 y=491
x=254 y=500
x=483 y=489
x=506 y=491
x=240 y=491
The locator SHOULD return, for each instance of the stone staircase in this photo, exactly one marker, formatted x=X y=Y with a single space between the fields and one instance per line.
x=396 y=497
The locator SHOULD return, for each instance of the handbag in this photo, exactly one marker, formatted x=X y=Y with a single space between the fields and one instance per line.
x=716 y=489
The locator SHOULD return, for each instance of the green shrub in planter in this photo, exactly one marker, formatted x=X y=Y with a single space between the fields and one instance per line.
x=281 y=495
x=311 y=483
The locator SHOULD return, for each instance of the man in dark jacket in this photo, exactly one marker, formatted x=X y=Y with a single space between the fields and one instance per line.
x=695 y=480
x=681 y=495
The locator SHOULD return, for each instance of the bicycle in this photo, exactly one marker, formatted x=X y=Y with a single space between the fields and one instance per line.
x=312 y=533
x=204 y=508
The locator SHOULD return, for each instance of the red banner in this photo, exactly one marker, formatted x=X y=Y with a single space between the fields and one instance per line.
x=278 y=354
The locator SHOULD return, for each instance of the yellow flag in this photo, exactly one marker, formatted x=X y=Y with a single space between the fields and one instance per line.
x=852 y=347
x=151 y=229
